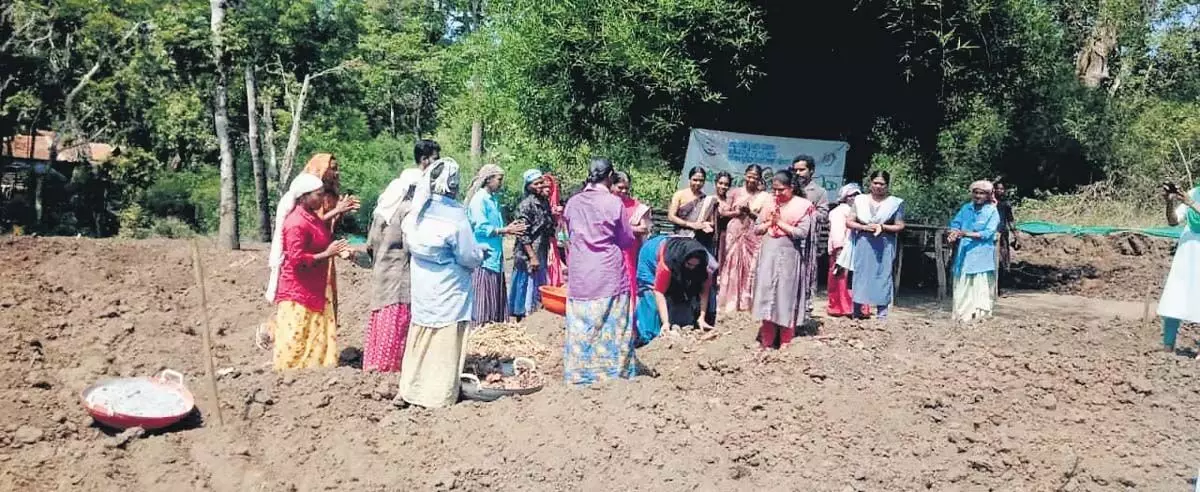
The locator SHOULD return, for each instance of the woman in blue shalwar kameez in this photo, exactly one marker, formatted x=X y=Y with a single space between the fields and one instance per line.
x=878 y=218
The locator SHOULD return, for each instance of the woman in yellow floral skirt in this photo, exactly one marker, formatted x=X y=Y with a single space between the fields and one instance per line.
x=305 y=328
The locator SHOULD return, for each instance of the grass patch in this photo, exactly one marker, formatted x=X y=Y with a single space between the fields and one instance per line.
x=1097 y=204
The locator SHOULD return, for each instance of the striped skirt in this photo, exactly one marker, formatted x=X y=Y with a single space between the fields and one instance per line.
x=491 y=303
x=599 y=341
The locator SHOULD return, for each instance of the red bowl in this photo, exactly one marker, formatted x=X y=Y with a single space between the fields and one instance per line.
x=166 y=381
x=554 y=299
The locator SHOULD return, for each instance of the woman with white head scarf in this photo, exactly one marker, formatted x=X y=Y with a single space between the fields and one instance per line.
x=838 y=281
x=533 y=247
x=305 y=329
x=483 y=210
x=1178 y=302
x=444 y=253
x=387 y=327
x=974 y=229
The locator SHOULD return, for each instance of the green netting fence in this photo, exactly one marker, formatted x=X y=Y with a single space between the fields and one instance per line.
x=1036 y=227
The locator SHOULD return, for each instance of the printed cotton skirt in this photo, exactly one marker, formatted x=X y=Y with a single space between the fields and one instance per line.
x=599 y=340
x=304 y=339
x=383 y=343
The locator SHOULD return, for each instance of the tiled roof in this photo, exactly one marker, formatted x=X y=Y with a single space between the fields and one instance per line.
x=38 y=148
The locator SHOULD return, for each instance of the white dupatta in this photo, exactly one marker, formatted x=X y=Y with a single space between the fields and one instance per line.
x=862 y=212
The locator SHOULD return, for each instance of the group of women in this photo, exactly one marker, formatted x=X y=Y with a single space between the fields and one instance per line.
x=436 y=268
x=438 y=263
x=754 y=248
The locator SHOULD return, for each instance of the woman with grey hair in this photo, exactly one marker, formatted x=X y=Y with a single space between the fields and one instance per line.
x=444 y=254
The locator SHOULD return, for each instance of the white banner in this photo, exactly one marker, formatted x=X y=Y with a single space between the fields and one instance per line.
x=717 y=151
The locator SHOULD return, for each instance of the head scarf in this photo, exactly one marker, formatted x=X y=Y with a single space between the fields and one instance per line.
x=986 y=187
x=396 y=193
x=302 y=184
x=486 y=172
x=849 y=191
x=318 y=165
x=427 y=186
x=530 y=176
x=677 y=252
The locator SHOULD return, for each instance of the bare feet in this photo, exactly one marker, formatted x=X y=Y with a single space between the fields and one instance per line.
x=263 y=337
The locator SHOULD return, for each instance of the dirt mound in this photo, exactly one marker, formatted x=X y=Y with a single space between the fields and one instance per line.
x=1033 y=403
x=1124 y=267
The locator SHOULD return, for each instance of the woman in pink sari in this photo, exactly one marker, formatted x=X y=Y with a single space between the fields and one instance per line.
x=740 y=243
x=637 y=215
x=556 y=259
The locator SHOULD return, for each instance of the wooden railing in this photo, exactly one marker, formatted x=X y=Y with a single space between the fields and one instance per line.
x=925 y=238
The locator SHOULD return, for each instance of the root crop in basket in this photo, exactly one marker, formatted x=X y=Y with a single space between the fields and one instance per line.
x=506 y=341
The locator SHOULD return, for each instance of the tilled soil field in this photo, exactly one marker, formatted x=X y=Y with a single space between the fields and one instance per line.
x=1127 y=267
x=1028 y=403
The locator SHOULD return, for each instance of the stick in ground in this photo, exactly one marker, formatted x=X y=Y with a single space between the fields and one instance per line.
x=205 y=332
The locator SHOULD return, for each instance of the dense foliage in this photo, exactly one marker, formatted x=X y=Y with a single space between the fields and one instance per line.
x=1051 y=94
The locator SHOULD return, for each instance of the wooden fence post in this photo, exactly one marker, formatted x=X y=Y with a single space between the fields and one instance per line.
x=996 y=264
x=939 y=250
x=899 y=266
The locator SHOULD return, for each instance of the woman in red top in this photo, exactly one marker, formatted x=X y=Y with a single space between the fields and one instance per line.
x=305 y=331
x=675 y=276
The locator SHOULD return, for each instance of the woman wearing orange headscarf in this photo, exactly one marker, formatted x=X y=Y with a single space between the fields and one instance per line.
x=333 y=206
x=326 y=166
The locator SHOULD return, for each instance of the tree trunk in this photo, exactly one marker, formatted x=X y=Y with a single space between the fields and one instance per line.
x=1091 y=65
x=289 y=153
x=417 y=117
x=477 y=122
x=260 y=174
x=269 y=140
x=227 y=232
x=38 y=178
x=476 y=140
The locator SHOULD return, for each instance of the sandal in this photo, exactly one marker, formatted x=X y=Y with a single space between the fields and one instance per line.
x=398 y=402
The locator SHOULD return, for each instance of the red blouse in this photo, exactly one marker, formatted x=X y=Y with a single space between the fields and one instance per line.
x=302 y=278
x=662 y=273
